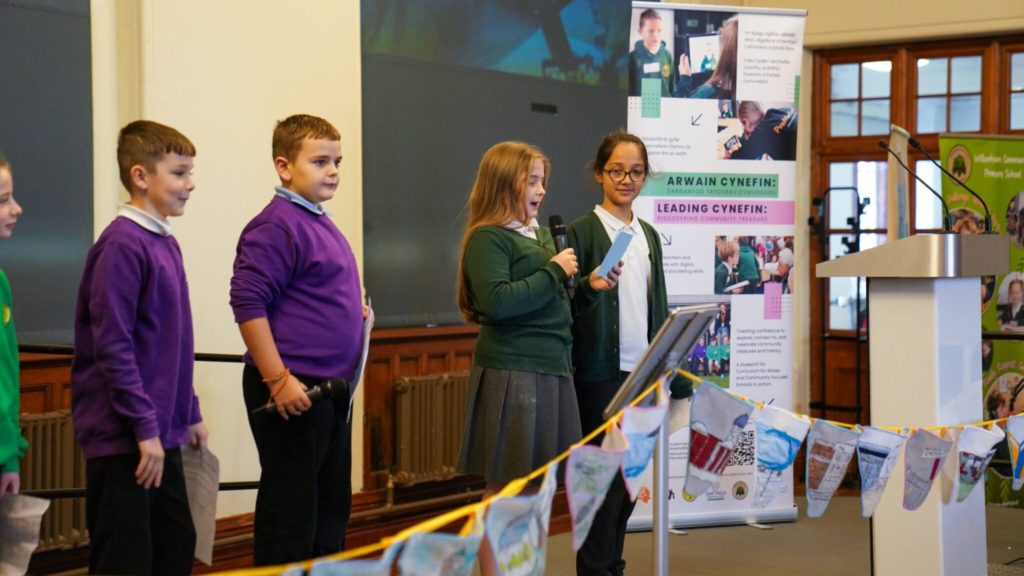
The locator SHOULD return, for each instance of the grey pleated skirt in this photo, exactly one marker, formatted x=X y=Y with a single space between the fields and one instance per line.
x=516 y=422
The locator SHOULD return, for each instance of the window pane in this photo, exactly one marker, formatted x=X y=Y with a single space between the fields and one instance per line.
x=1017 y=111
x=843 y=291
x=931 y=75
x=844 y=81
x=841 y=206
x=927 y=208
x=876 y=79
x=966 y=74
x=931 y=114
x=1017 y=71
x=874 y=117
x=965 y=113
x=844 y=119
x=871 y=184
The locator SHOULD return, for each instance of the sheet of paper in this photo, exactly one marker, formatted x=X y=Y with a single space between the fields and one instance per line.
x=361 y=367
x=924 y=455
x=717 y=419
x=780 y=433
x=20 y=518
x=615 y=253
x=829 y=451
x=877 y=452
x=202 y=482
x=975 y=448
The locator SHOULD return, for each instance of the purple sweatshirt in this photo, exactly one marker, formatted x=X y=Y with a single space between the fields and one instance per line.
x=295 y=268
x=131 y=378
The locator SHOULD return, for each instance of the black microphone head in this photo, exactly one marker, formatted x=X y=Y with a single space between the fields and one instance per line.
x=883 y=144
x=913 y=142
x=556 y=224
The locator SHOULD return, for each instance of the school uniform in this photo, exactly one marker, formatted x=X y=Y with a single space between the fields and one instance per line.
x=521 y=406
x=12 y=443
x=644 y=64
x=131 y=380
x=611 y=332
x=295 y=268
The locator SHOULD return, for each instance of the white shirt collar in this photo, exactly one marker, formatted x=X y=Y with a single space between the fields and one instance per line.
x=614 y=223
x=287 y=194
x=529 y=230
x=144 y=219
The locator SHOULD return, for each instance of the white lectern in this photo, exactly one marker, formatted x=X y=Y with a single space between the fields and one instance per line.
x=924 y=313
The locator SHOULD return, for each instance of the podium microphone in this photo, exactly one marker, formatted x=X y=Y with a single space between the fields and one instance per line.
x=947 y=222
x=561 y=237
x=988 y=215
x=315 y=393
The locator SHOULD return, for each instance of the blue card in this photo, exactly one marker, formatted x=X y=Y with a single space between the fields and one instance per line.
x=615 y=253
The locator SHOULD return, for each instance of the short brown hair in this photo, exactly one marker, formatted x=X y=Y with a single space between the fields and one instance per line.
x=290 y=132
x=146 y=142
x=649 y=14
x=3 y=162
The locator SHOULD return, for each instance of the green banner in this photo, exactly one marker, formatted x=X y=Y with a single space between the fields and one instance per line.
x=713 y=185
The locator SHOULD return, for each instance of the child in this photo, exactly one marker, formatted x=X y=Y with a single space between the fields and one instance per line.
x=12 y=444
x=522 y=407
x=132 y=402
x=611 y=331
x=726 y=274
x=296 y=297
x=650 y=58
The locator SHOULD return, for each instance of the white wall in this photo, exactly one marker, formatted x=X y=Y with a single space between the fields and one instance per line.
x=223 y=73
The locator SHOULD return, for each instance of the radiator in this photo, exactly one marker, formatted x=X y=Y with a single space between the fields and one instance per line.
x=430 y=414
x=54 y=461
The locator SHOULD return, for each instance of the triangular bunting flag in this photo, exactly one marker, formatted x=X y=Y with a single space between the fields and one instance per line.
x=1015 y=438
x=376 y=567
x=589 y=472
x=516 y=533
x=975 y=447
x=877 y=451
x=924 y=456
x=640 y=426
x=829 y=451
x=779 y=436
x=432 y=553
x=717 y=419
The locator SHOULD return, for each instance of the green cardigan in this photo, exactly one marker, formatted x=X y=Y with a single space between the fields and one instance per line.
x=595 y=353
x=519 y=296
x=12 y=444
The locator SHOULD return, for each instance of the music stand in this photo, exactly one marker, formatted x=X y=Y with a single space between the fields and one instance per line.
x=673 y=342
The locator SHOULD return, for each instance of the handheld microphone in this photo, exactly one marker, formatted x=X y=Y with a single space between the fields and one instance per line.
x=561 y=238
x=947 y=221
x=315 y=393
x=988 y=215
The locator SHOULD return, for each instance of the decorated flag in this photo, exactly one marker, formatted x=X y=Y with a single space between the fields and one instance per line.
x=1014 y=438
x=925 y=453
x=779 y=436
x=432 y=553
x=975 y=447
x=717 y=418
x=877 y=451
x=829 y=451
x=640 y=425
x=376 y=567
x=589 y=472
x=516 y=530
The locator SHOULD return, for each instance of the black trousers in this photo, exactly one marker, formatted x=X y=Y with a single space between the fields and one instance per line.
x=601 y=553
x=305 y=493
x=133 y=530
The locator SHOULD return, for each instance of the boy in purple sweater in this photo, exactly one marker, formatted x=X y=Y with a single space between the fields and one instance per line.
x=132 y=402
x=296 y=297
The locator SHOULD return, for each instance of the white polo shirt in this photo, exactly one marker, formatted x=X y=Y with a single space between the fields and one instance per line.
x=633 y=289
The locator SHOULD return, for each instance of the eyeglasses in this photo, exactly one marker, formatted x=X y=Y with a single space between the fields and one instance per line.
x=617 y=175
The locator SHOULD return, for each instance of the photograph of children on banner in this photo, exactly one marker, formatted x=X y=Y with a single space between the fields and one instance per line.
x=709 y=357
x=1015 y=219
x=750 y=130
x=988 y=288
x=1010 y=303
x=967 y=221
x=744 y=264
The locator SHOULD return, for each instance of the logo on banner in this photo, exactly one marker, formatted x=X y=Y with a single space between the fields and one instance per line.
x=959 y=162
x=740 y=490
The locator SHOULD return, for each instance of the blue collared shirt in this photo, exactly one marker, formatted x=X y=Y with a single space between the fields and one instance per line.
x=287 y=194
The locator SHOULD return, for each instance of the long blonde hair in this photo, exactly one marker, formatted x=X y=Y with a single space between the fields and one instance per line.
x=496 y=200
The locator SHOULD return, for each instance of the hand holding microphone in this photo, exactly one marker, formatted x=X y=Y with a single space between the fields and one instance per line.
x=566 y=257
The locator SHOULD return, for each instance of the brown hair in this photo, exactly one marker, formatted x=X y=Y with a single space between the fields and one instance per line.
x=649 y=14
x=290 y=132
x=724 y=76
x=145 y=143
x=496 y=200
x=3 y=162
x=728 y=249
x=612 y=141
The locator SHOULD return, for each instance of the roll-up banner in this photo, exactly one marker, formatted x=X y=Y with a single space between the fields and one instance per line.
x=713 y=93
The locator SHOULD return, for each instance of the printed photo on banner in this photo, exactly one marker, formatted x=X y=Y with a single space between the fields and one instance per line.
x=709 y=357
x=967 y=221
x=988 y=288
x=1010 y=303
x=1002 y=396
x=744 y=264
x=1015 y=219
x=750 y=130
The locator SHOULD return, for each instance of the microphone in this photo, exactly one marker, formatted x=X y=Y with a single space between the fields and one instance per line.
x=988 y=215
x=947 y=222
x=315 y=393
x=560 y=235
